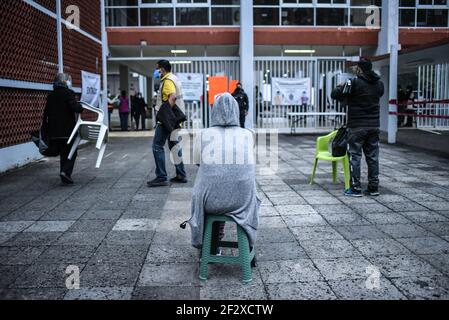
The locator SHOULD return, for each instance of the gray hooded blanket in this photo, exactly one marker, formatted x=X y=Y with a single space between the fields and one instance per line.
x=226 y=180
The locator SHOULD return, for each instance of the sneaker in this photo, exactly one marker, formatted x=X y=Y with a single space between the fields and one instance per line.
x=179 y=179
x=65 y=178
x=371 y=192
x=158 y=183
x=353 y=193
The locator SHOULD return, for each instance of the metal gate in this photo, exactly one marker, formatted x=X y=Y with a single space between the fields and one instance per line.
x=198 y=112
x=321 y=114
x=323 y=72
x=433 y=88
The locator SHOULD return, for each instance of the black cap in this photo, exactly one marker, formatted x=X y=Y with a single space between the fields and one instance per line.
x=365 y=64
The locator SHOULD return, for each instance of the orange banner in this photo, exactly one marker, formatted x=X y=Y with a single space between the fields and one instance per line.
x=217 y=85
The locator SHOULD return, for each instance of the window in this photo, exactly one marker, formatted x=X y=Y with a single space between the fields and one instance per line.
x=226 y=16
x=156 y=17
x=331 y=17
x=307 y=13
x=122 y=17
x=298 y=16
x=266 y=16
x=192 y=16
x=423 y=13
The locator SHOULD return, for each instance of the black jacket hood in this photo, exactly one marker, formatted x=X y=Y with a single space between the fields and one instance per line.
x=370 y=76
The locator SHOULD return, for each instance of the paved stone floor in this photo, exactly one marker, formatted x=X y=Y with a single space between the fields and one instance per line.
x=313 y=242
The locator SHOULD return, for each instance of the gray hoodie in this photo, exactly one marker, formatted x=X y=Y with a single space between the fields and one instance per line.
x=226 y=180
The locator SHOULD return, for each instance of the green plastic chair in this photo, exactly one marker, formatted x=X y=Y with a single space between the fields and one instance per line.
x=210 y=244
x=322 y=153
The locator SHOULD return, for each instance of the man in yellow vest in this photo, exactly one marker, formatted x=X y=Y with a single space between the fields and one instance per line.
x=171 y=91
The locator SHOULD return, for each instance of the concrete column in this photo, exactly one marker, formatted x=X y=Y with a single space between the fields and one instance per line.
x=389 y=44
x=247 y=56
x=105 y=54
x=59 y=36
x=393 y=95
x=124 y=78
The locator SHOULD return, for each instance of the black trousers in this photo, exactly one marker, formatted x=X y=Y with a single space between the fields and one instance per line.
x=137 y=118
x=366 y=140
x=64 y=150
x=242 y=120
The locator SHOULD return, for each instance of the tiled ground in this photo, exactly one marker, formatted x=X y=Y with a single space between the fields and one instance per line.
x=313 y=242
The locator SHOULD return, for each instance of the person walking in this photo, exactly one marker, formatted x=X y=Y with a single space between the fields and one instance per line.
x=124 y=111
x=242 y=99
x=363 y=100
x=59 y=120
x=170 y=92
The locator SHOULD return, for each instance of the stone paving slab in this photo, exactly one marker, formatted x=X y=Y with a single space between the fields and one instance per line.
x=33 y=294
x=357 y=290
x=115 y=293
x=316 y=290
x=423 y=288
x=313 y=243
x=343 y=268
x=404 y=266
x=287 y=271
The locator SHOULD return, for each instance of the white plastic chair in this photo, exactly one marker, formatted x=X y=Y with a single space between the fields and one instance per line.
x=90 y=130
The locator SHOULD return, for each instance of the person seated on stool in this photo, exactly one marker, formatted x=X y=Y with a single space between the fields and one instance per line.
x=226 y=180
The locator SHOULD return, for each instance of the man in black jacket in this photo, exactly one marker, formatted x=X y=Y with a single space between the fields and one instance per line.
x=362 y=96
x=59 y=121
x=242 y=99
x=138 y=105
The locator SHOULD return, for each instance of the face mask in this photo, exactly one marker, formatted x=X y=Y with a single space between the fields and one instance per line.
x=69 y=84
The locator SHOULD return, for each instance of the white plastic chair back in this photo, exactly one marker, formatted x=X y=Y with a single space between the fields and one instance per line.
x=91 y=131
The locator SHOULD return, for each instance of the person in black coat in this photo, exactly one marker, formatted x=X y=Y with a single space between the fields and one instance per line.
x=362 y=96
x=139 y=107
x=59 y=121
x=242 y=99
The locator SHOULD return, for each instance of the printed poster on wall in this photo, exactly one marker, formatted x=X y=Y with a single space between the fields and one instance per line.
x=192 y=85
x=291 y=92
x=91 y=90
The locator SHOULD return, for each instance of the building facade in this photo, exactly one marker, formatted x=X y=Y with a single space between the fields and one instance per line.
x=37 y=40
x=286 y=38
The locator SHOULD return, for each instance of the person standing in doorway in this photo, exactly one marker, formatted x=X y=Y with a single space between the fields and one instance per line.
x=124 y=111
x=139 y=110
x=170 y=92
x=363 y=100
x=242 y=99
x=59 y=121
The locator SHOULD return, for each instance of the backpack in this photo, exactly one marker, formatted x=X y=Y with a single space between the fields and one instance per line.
x=340 y=143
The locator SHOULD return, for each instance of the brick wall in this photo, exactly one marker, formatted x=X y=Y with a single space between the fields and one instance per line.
x=29 y=52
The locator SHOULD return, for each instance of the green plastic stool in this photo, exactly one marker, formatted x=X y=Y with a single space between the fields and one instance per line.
x=211 y=243
x=322 y=153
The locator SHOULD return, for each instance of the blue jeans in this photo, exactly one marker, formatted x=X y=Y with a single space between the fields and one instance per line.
x=160 y=138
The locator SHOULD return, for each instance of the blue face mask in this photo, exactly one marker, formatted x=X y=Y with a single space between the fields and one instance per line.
x=69 y=84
